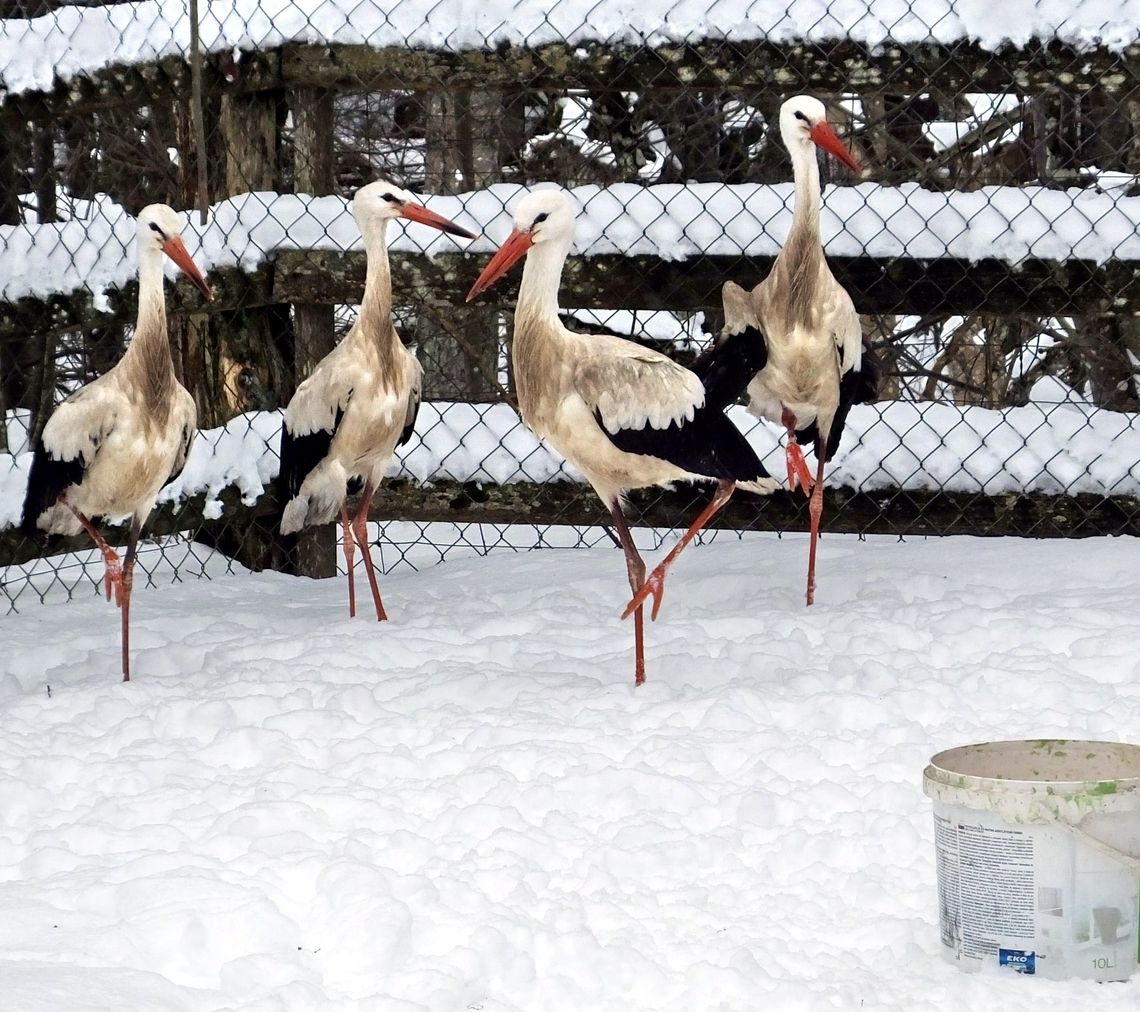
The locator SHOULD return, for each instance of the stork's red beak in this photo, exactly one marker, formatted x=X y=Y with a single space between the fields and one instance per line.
x=825 y=138
x=417 y=212
x=509 y=254
x=176 y=250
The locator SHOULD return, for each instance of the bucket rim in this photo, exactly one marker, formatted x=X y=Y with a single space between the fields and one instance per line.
x=1048 y=766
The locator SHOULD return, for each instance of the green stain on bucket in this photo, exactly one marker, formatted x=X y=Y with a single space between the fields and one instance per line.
x=1103 y=788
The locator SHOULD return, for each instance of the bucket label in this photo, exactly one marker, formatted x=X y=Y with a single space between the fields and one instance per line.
x=1035 y=897
x=986 y=887
x=1017 y=959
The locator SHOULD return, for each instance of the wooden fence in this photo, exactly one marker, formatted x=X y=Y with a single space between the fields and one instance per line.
x=272 y=122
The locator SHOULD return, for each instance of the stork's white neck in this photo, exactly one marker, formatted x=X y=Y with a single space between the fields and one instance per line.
x=800 y=265
x=805 y=173
x=376 y=305
x=151 y=322
x=148 y=363
x=150 y=259
x=542 y=274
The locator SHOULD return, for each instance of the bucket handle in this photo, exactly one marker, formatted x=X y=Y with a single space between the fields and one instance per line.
x=1129 y=862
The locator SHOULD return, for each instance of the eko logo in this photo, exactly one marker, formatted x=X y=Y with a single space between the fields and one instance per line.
x=1018 y=959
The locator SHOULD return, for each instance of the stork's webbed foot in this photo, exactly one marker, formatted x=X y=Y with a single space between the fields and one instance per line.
x=654 y=584
x=798 y=473
x=113 y=577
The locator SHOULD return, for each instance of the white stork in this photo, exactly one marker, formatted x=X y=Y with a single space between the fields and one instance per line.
x=815 y=365
x=111 y=446
x=346 y=420
x=626 y=416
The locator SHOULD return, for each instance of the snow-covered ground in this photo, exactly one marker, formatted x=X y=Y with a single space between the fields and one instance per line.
x=673 y=221
x=471 y=807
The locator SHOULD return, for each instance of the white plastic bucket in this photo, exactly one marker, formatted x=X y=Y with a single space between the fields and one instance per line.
x=1038 y=850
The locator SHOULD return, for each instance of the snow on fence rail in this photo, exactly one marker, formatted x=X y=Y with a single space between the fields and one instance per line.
x=672 y=222
x=1054 y=449
x=74 y=41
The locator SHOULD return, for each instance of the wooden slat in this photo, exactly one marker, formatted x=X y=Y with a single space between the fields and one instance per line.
x=903 y=286
x=898 y=285
x=890 y=512
x=761 y=67
x=234 y=288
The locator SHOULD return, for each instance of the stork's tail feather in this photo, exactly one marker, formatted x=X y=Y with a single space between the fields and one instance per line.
x=294 y=515
x=309 y=511
x=762 y=486
x=319 y=499
x=48 y=480
x=727 y=368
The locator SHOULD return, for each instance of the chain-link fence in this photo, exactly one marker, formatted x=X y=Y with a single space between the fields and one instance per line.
x=991 y=243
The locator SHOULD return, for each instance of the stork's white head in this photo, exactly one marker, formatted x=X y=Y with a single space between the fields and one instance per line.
x=159 y=230
x=803 y=123
x=546 y=216
x=542 y=218
x=379 y=202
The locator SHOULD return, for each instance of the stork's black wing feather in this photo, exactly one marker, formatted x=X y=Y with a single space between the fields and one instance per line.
x=49 y=478
x=300 y=454
x=413 y=414
x=709 y=445
x=727 y=368
x=180 y=462
x=856 y=386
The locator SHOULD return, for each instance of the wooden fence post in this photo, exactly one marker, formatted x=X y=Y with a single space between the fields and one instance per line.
x=255 y=344
x=9 y=215
x=459 y=349
x=245 y=352
x=314 y=332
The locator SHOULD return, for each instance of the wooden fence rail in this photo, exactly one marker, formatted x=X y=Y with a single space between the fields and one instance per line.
x=245 y=532
x=895 y=285
x=760 y=67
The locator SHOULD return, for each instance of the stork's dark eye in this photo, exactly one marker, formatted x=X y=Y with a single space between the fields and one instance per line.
x=389 y=197
x=541 y=217
x=800 y=115
x=155 y=228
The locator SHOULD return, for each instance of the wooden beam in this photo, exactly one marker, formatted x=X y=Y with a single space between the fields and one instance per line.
x=777 y=69
x=763 y=67
x=892 y=512
x=895 y=285
x=891 y=285
x=234 y=288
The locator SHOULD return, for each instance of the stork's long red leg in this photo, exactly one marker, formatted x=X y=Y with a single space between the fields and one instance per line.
x=815 y=508
x=113 y=574
x=360 y=527
x=346 y=529
x=655 y=584
x=128 y=582
x=798 y=473
x=635 y=567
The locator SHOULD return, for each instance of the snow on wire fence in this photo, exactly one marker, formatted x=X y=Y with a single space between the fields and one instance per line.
x=992 y=244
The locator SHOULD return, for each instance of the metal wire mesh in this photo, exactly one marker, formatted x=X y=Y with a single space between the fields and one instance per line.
x=991 y=243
